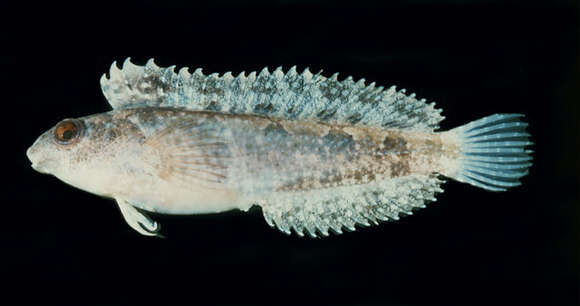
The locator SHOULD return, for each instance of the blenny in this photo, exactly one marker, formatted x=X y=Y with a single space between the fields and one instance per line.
x=316 y=153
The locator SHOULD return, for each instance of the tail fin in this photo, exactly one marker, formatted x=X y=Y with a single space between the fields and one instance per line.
x=493 y=154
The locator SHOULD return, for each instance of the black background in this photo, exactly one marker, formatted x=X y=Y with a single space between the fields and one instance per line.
x=471 y=247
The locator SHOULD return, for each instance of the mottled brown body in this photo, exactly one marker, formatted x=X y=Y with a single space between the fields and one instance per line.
x=378 y=155
x=256 y=155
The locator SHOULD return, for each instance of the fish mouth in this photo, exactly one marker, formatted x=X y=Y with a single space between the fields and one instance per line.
x=38 y=166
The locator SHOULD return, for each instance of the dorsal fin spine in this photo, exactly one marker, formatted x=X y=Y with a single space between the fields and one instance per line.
x=290 y=95
x=114 y=72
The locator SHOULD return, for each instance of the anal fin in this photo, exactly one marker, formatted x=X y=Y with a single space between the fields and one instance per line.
x=318 y=211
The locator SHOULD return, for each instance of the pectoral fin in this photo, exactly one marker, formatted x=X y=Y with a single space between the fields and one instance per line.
x=138 y=220
x=192 y=154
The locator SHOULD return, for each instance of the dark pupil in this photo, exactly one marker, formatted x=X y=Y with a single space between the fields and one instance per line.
x=68 y=134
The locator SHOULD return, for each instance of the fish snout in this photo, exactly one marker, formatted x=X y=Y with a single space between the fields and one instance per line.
x=33 y=154
x=30 y=153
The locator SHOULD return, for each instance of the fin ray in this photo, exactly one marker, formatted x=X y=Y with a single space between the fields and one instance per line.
x=315 y=212
x=191 y=153
x=139 y=220
x=490 y=157
x=290 y=95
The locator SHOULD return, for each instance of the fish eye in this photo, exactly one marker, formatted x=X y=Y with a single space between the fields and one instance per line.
x=68 y=131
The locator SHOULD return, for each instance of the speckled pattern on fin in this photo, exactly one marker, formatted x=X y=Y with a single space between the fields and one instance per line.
x=319 y=211
x=290 y=95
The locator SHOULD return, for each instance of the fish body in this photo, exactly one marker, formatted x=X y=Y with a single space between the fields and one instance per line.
x=315 y=153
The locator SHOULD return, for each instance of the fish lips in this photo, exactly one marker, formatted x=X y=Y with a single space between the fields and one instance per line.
x=38 y=165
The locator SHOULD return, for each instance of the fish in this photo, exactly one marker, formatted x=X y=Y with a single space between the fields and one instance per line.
x=317 y=154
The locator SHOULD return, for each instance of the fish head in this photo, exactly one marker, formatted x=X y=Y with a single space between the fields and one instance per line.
x=58 y=148
x=77 y=151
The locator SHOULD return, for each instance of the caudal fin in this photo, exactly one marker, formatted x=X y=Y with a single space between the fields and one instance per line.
x=493 y=152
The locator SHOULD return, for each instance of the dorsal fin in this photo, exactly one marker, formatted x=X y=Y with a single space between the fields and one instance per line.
x=290 y=95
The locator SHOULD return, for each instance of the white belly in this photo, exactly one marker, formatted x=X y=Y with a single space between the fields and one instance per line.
x=174 y=199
